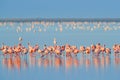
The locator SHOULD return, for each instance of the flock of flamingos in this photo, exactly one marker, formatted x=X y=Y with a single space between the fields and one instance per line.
x=66 y=50
x=12 y=54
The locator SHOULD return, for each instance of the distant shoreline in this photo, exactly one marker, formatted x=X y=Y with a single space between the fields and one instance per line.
x=60 y=19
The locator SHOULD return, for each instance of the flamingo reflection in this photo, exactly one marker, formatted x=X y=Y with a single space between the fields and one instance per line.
x=46 y=62
x=18 y=62
x=102 y=61
x=68 y=62
x=76 y=62
x=117 y=60
x=96 y=61
x=58 y=62
x=32 y=60
x=87 y=62
x=107 y=59
x=10 y=63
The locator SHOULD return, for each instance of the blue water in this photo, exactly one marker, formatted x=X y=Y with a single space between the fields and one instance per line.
x=81 y=67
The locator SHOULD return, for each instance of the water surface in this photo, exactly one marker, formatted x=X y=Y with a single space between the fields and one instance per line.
x=63 y=68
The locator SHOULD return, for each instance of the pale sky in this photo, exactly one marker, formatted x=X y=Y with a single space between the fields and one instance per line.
x=60 y=8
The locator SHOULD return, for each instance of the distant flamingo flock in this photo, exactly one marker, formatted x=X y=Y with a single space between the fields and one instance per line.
x=65 y=50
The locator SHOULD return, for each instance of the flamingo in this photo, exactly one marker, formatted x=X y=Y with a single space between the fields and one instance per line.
x=73 y=47
x=97 y=51
x=87 y=51
x=31 y=49
x=58 y=51
x=93 y=47
x=36 y=47
x=45 y=52
x=116 y=48
x=24 y=50
x=4 y=50
x=76 y=51
x=108 y=50
x=20 y=38
x=63 y=48
x=16 y=50
x=98 y=45
x=10 y=50
x=68 y=51
x=82 y=49
x=40 y=51
x=102 y=48
x=54 y=41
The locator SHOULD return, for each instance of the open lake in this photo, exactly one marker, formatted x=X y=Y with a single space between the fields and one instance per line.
x=84 y=67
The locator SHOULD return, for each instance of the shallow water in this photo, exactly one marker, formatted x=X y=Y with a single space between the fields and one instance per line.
x=81 y=67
